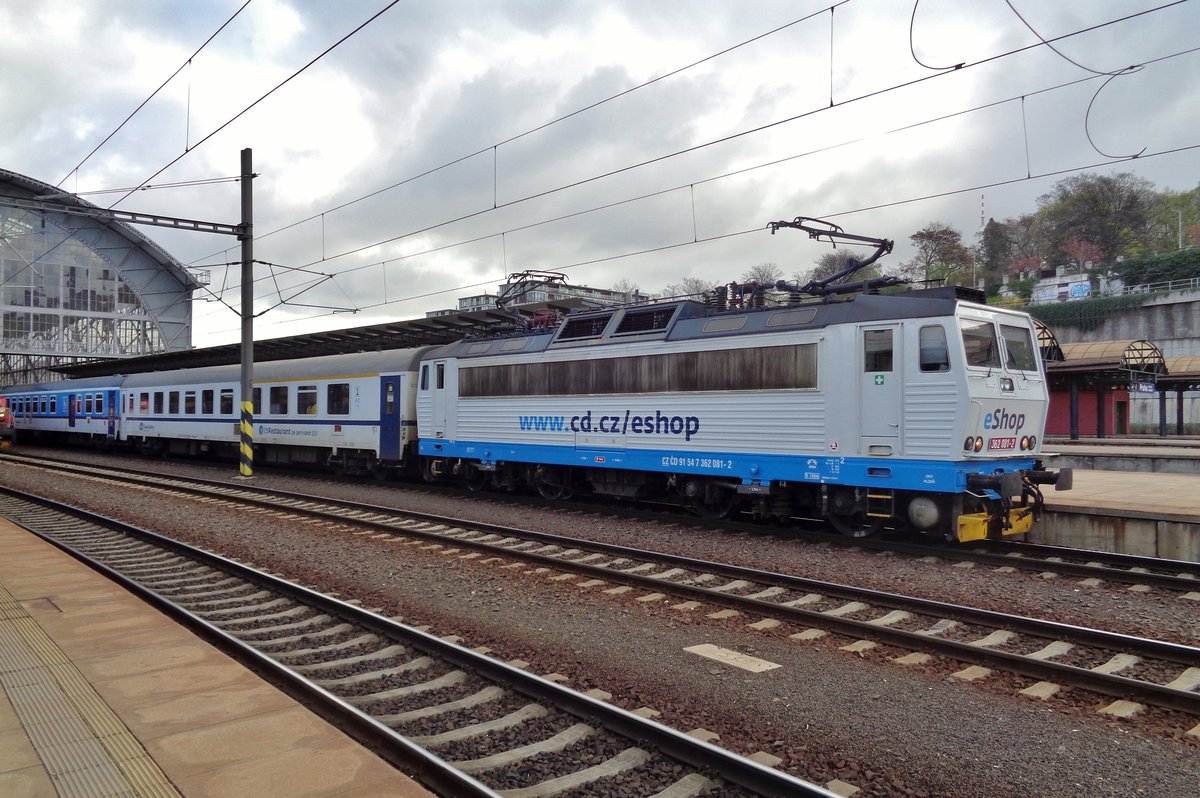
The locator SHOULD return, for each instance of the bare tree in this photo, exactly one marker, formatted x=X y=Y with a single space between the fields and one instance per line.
x=629 y=288
x=941 y=256
x=763 y=273
x=692 y=287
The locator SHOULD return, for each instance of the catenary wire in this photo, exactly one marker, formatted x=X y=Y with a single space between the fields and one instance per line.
x=544 y=125
x=538 y=195
x=271 y=91
x=154 y=93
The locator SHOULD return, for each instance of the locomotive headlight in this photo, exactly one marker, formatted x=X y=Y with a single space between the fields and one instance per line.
x=1032 y=442
x=978 y=444
x=923 y=512
x=1024 y=442
x=968 y=444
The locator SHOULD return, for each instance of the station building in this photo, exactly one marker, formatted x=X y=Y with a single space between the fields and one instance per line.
x=78 y=288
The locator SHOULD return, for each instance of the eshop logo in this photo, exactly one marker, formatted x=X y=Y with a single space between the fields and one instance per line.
x=1001 y=419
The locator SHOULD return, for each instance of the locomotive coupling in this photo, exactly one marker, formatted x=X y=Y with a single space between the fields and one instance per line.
x=1008 y=483
x=1062 y=479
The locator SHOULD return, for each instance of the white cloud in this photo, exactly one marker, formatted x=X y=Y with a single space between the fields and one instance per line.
x=429 y=83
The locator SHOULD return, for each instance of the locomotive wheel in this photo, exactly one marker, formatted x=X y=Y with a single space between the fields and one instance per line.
x=476 y=479
x=716 y=503
x=551 y=483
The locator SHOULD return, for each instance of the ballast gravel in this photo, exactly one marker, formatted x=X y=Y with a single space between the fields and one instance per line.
x=827 y=714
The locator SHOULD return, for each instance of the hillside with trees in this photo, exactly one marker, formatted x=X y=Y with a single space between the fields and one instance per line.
x=1114 y=226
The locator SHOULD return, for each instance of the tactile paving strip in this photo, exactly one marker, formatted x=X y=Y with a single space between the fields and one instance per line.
x=85 y=748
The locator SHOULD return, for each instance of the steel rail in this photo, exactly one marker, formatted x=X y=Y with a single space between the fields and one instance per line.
x=958 y=553
x=738 y=770
x=1107 y=684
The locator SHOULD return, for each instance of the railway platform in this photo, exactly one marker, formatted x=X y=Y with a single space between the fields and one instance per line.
x=1177 y=455
x=102 y=695
x=1151 y=514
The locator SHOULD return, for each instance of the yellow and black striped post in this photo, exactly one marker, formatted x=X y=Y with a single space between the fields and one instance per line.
x=246 y=463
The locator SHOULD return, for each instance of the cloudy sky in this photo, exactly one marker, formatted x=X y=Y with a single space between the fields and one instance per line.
x=446 y=144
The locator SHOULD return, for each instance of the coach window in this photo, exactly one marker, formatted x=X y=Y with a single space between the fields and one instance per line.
x=189 y=403
x=158 y=403
x=100 y=403
x=53 y=405
x=87 y=404
x=227 y=401
x=877 y=350
x=337 y=399
x=173 y=403
x=935 y=355
x=279 y=400
x=425 y=377
x=306 y=400
x=78 y=403
x=1018 y=344
x=257 y=401
x=979 y=340
x=389 y=401
x=206 y=402
x=144 y=403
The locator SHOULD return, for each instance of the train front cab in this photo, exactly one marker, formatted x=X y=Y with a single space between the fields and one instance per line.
x=1007 y=403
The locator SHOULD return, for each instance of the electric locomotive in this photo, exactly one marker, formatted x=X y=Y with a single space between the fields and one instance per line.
x=916 y=410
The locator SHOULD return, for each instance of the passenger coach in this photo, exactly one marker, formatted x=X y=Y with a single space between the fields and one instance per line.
x=352 y=412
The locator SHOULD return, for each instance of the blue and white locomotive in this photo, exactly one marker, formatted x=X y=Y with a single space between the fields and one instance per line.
x=921 y=409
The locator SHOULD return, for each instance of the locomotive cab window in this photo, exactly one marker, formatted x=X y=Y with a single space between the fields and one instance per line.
x=877 y=350
x=425 y=377
x=979 y=341
x=935 y=354
x=1018 y=346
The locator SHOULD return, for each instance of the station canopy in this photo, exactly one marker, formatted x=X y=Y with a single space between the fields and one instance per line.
x=1109 y=361
x=406 y=334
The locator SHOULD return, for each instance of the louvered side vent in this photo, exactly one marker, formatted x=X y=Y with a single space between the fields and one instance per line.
x=650 y=320
x=589 y=327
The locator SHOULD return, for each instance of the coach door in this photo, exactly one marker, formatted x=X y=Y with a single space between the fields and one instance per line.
x=879 y=389
x=389 y=418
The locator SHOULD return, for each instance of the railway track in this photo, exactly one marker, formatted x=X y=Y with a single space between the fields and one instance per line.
x=1175 y=575
x=1126 y=667
x=467 y=724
